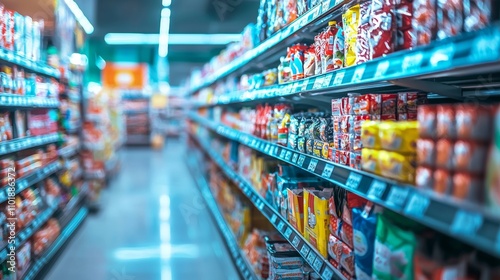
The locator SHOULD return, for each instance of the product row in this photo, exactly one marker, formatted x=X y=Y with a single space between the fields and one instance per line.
x=21 y=35
x=364 y=30
x=16 y=80
x=22 y=124
x=359 y=239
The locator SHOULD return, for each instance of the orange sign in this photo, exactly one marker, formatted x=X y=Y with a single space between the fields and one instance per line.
x=125 y=76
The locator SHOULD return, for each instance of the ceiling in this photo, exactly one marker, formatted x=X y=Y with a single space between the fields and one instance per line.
x=188 y=16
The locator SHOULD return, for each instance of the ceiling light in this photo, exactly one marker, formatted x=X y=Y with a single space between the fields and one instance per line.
x=173 y=39
x=167 y=3
x=164 y=32
x=80 y=17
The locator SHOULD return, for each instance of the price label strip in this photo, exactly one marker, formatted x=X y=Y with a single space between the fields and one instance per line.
x=339 y=77
x=295 y=158
x=397 y=196
x=281 y=226
x=358 y=73
x=288 y=156
x=327 y=172
x=305 y=250
x=288 y=233
x=312 y=165
x=311 y=258
x=327 y=273
x=466 y=223
x=296 y=241
x=377 y=189
x=354 y=180
x=318 y=263
x=417 y=205
x=301 y=160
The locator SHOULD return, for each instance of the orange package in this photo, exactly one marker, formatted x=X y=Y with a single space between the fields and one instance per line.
x=444 y=156
x=442 y=181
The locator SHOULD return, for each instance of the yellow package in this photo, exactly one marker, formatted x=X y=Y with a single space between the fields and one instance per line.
x=369 y=160
x=370 y=134
x=316 y=219
x=296 y=209
x=397 y=166
x=399 y=137
x=350 y=18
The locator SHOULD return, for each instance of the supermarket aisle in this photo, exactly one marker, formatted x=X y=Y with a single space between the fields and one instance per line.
x=151 y=226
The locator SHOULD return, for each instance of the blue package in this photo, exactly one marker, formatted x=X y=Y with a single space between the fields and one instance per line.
x=364 y=228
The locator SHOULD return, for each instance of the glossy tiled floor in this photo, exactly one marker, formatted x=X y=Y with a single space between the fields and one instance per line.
x=151 y=226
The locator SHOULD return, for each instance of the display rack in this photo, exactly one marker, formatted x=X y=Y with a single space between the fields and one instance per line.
x=9 y=57
x=16 y=145
x=27 y=102
x=134 y=118
x=240 y=261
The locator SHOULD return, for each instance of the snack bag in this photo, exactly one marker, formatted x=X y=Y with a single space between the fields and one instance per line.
x=369 y=160
x=400 y=137
x=449 y=18
x=338 y=48
x=397 y=166
x=370 y=134
x=364 y=227
x=350 y=19
x=316 y=218
x=424 y=21
x=381 y=28
x=330 y=33
x=394 y=251
x=290 y=10
x=404 y=31
x=310 y=62
x=362 y=50
x=477 y=14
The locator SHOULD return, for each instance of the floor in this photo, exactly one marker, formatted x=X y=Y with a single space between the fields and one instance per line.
x=150 y=226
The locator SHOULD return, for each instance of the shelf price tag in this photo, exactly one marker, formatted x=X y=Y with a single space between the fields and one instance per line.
x=305 y=84
x=327 y=80
x=288 y=155
x=274 y=218
x=266 y=150
x=296 y=241
x=311 y=258
x=327 y=273
x=300 y=162
x=294 y=158
x=412 y=62
x=327 y=172
x=397 y=196
x=288 y=233
x=358 y=73
x=326 y=6
x=417 y=205
x=281 y=225
x=317 y=264
x=312 y=165
x=382 y=68
x=318 y=82
x=353 y=180
x=377 y=189
x=305 y=250
x=466 y=223
x=339 y=77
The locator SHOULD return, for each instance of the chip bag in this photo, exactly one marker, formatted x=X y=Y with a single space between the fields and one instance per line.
x=400 y=137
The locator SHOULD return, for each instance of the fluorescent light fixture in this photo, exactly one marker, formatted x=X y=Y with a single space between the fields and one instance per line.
x=164 y=32
x=167 y=3
x=80 y=17
x=173 y=39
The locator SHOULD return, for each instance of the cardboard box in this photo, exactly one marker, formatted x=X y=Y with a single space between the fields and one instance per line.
x=316 y=219
x=296 y=209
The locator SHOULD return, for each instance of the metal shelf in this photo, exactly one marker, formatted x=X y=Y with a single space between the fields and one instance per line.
x=275 y=43
x=470 y=223
x=16 y=145
x=10 y=101
x=240 y=261
x=29 y=180
x=32 y=66
x=40 y=263
x=473 y=53
x=308 y=252
x=69 y=151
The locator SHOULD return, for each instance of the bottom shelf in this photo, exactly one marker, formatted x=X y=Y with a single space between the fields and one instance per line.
x=244 y=268
x=42 y=262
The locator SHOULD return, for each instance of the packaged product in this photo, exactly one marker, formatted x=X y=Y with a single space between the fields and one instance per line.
x=309 y=145
x=449 y=18
x=473 y=122
x=283 y=256
x=467 y=186
x=424 y=21
x=334 y=250
x=347 y=260
x=344 y=157
x=404 y=15
x=388 y=104
x=296 y=209
x=301 y=144
x=297 y=62
x=364 y=228
x=469 y=156
x=23 y=258
x=355 y=160
x=424 y=178
x=397 y=166
x=426 y=154
x=327 y=59
x=301 y=7
x=400 y=137
x=477 y=14
x=339 y=49
x=427 y=121
x=341 y=230
x=326 y=129
x=444 y=156
x=363 y=51
x=443 y=181
x=290 y=9
x=368 y=104
x=394 y=251
x=8 y=30
x=381 y=28
x=316 y=218
x=369 y=160
x=492 y=185
x=5 y=127
x=310 y=62
x=19 y=34
x=318 y=50
x=350 y=19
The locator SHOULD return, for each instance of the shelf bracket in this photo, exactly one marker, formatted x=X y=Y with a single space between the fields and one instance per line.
x=430 y=87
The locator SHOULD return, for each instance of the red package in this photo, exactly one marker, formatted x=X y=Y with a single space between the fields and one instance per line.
x=358 y=122
x=346 y=234
x=404 y=14
x=363 y=35
x=381 y=32
x=337 y=157
x=368 y=104
x=426 y=152
x=330 y=33
x=449 y=18
x=344 y=158
x=424 y=178
x=337 y=109
x=6 y=163
x=317 y=52
x=469 y=156
x=427 y=121
x=310 y=62
x=474 y=122
x=334 y=250
x=8 y=30
x=445 y=122
x=332 y=209
x=336 y=141
x=345 y=141
x=415 y=99
x=467 y=187
x=347 y=259
x=355 y=142
x=404 y=39
x=477 y=14
x=335 y=226
x=444 y=154
x=346 y=124
x=402 y=103
x=337 y=123
x=388 y=104
x=424 y=21
x=355 y=160
x=442 y=181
